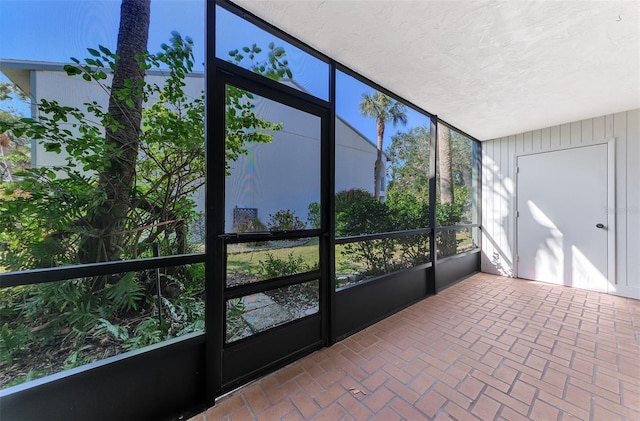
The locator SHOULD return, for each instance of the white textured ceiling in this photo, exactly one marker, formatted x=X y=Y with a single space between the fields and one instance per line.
x=490 y=68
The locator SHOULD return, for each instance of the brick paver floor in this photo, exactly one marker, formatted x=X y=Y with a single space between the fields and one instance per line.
x=486 y=348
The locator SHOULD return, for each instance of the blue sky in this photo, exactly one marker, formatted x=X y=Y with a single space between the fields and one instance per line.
x=54 y=30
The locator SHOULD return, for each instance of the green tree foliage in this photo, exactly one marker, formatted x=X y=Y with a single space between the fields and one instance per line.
x=56 y=217
x=285 y=220
x=8 y=91
x=409 y=163
x=313 y=215
x=14 y=150
x=242 y=126
x=383 y=109
x=409 y=157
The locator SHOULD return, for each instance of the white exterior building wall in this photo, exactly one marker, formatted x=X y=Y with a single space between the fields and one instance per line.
x=355 y=160
x=281 y=175
x=285 y=174
x=278 y=176
x=499 y=188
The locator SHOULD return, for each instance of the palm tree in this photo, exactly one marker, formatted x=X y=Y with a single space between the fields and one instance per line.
x=383 y=109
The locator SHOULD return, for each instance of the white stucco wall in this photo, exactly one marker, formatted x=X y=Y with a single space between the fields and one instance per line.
x=499 y=185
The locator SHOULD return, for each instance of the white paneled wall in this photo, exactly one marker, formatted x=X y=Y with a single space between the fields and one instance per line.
x=499 y=184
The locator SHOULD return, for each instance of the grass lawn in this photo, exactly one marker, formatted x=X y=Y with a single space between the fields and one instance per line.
x=244 y=259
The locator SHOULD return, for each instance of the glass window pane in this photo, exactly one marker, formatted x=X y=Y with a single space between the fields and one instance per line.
x=382 y=181
x=457 y=178
x=48 y=328
x=452 y=242
x=67 y=199
x=256 y=313
x=273 y=165
x=400 y=151
x=253 y=262
x=245 y=45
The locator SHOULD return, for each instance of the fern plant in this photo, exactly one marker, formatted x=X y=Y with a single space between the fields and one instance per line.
x=118 y=332
x=12 y=341
x=147 y=333
x=125 y=294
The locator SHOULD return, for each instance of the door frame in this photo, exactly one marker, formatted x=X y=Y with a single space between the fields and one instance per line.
x=217 y=381
x=611 y=207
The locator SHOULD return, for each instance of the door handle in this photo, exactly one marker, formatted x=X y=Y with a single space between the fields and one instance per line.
x=600 y=226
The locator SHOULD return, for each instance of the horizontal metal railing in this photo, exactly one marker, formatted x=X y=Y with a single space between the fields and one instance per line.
x=382 y=235
x=62 y=273
x=399 y=234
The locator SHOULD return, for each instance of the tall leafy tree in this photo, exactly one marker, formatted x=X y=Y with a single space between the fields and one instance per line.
x=383 y=109
x=108 y=218
x=409 y=154
x=61 y=219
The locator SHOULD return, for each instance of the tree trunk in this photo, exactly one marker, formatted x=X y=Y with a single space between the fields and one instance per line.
x=107 y=221
x=445 y=167
x=378 y=170
x=447 y=244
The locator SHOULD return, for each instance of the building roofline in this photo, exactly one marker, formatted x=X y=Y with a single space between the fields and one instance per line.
x=358 y=132
x=346 y=123
x=8 y=63
x=15 y=64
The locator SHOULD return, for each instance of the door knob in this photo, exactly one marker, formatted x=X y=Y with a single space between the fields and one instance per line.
x=599 y=225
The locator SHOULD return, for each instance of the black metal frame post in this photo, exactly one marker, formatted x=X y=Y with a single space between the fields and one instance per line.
x=214 y=216
x=328 y=211
x=433 y=161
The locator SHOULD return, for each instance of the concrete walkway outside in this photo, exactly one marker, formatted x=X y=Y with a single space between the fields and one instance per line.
x=488 y=348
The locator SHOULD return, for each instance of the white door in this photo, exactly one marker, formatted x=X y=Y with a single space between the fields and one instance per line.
x=562 y=217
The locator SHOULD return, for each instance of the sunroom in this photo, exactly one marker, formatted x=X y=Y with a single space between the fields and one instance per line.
x=304 y=178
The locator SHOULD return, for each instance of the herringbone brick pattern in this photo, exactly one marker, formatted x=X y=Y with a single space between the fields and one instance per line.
x=488 y=348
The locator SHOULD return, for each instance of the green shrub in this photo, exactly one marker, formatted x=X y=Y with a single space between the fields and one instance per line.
x=78 y=357
x=357 y=213
x=274 y=267
x=346 y=198
x=409 y=213
x=31 y=375
x=13 y=341
x=285 y=220
x=148 y=332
